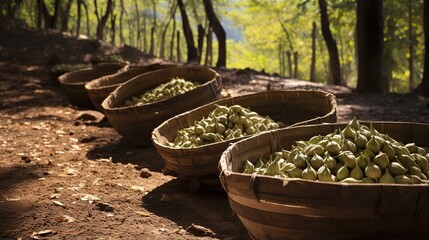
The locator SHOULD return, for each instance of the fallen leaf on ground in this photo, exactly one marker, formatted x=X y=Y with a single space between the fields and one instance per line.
x=90 y=198
x=65 y=218
x=137 y=188
x=37 y=235
x=58 y=203
x=143 y=213
x=55 y=195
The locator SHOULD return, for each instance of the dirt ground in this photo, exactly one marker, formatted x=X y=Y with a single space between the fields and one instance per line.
x=66 y=174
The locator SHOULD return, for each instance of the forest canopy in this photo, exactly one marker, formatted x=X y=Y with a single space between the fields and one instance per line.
x=276 y=36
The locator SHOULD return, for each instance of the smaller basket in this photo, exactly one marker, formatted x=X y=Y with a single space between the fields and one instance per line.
x=289 y=107
x=100 y=88
x=74 y=82
x=137 y=122
x=277 y=208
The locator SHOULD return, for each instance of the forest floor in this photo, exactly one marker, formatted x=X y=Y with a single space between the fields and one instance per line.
x=66 y=174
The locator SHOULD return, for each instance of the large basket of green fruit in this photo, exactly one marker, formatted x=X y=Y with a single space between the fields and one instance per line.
x=98 y=89
x=74 y=82
x=331 y=181
x=191 y=144
x=136 y=107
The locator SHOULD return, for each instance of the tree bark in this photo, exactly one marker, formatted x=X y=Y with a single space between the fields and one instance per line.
x=313 y=53
x=65 y=14
x=370 y=46
x=172 y=37
x=87 y=18
x=295 y=61
x=412 y=84
x=209 y=48
x=136 y=6
x=219 y=32
x=179 y=57
x=121 y=19
x=153 y=30
x=164 y=31
x=201 y=33
x=79 y=17
x=334 y=61
x=103 y=20
x=423 y=88
x=187 y=31
x=289 y=61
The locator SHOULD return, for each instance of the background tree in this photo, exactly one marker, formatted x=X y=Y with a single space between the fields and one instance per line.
x=423 y=88
x=370 y=46
x=219 y=32
x=334 y=61
x=187 y=31
x=102 y=20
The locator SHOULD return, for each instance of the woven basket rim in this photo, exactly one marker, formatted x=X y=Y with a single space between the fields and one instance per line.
x=107 y=108
x=155 y=141
x=63 y=77
x=224 y=171
x=91 y=86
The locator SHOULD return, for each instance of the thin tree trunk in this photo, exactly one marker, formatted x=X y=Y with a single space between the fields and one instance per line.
x=295 y=60
x=101 y=25
x=219 y=32
x=187 y=31
x=164 y=31
x=423 y=88
x=136 y=6
x=152 y=41
x=289 y=61
x=334 y=62
x=178 y=47
x=79 y=17
x=113 y=27
x=370 y=46
x=201 y=33
x=172 y=37
x=121 y=19
x=281 y=58
x=209 y=54
x=65 y=17
x=313 y=53
x=412 y=84
x=88 y=30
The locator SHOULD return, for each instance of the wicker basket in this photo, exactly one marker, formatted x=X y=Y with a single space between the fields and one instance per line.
x=74 y=82
x=100 y=88
x=137 y=122
x=290 y=107
x=274 y=208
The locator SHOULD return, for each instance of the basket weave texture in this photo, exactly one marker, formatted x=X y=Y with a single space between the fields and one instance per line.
x=98 y=89
x=137 y=122
x=74 y=82
x=275 y=208
x=289 y=107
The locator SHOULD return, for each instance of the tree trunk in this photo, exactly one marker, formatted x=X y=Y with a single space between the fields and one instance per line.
x=412 y=84
x=152 y=41
x=219 y=32
x=88 y=31
x=164 y=31
x=138 y=26
x=101 y=25
x=12 y=7
x=281 y=59
x=313 y=53
x=179 y=57
x=201 y=33
x=209 y=48
x=172 y=36
x=423 y=88
x=39 y=21
x=334 y=62
x=370 y=46
x=187 y=31
x=289 y=61
x=295 y=61
x=113 y=27
x=79 y=17
x=388 y=53
x=121 y=19
x=65 y=17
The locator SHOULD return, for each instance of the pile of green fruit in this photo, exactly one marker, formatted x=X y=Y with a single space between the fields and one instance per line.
x=174 y=87
x=222 y=124
x=355 y=154
x=63 y=68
